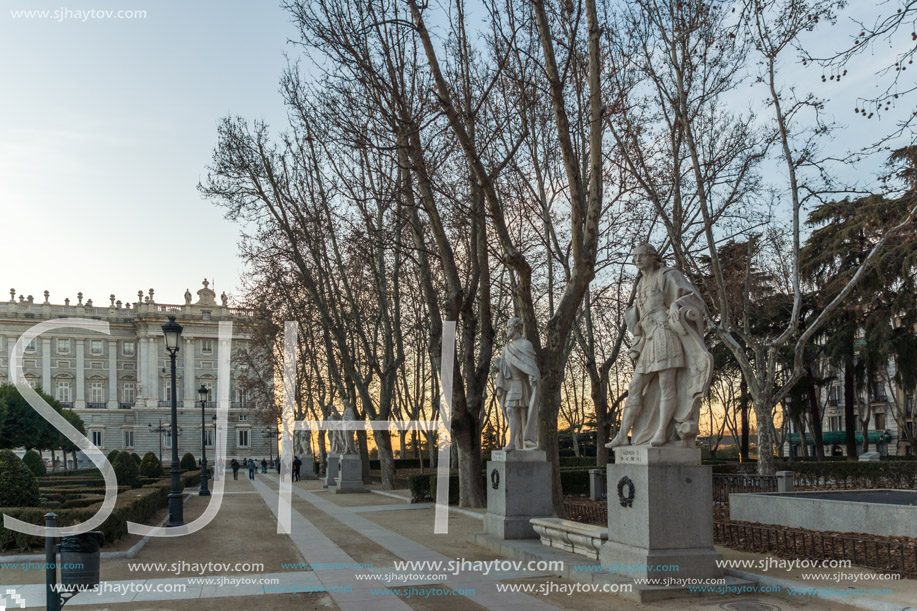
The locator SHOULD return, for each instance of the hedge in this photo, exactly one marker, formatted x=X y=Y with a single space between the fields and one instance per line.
x=18 y=485
x=188 y=462
x=131 y=506
x=34 y=462
x=150 y=465
x=126 y=470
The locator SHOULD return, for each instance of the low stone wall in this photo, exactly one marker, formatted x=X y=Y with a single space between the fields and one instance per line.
x=853 y=511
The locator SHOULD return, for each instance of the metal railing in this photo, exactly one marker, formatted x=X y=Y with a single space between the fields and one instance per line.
x=587 y=513
x=726 y=484
x=891 y=556
x=95 y=405
x=126 y=405
x=67 y=404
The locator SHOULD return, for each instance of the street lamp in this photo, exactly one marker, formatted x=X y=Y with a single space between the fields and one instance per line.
x=272 y=434
x=172 y=332
x=159 y=430
x=202 y=393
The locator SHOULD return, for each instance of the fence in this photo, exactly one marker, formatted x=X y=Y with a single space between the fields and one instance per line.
x=891 y=556
x=724 y=485
x=588 y=513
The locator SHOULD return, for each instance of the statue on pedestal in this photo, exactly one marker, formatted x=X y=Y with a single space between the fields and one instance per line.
x=337 y=436
x=518 y=384
x=672 y=367
x=350 y=447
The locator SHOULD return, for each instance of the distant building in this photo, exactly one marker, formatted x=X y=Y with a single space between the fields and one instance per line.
x=120 y=384
x=891 y=409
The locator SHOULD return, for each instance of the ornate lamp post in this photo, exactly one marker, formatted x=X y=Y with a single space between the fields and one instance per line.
x=159 y=430
x=202 y=392
x=172 y=332
x=273 y=434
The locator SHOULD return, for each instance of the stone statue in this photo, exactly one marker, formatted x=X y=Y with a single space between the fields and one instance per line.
x=672 y=367
x=350 y=447
x=302 y=442
x=187 y=297
x=518 y=386
x=337 y=436
x=224 y=299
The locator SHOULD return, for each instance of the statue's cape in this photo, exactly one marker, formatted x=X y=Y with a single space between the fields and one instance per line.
x=521 y=354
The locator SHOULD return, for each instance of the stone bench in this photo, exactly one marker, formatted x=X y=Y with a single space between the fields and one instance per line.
x=582 y=539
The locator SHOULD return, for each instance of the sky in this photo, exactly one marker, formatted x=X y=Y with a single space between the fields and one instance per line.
x=107 y=126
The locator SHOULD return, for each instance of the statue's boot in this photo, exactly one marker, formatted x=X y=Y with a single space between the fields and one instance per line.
x=530 y=445
x=631 y=409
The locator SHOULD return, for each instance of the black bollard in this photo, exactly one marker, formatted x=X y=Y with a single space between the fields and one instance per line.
x=52 y=597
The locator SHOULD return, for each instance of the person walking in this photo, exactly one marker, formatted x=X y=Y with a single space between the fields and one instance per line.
x=251 y=469
x=264 y=465
x=297 y=465
x=235 y=468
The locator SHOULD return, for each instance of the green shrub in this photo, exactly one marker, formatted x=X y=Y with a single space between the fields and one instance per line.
x=34 y=462
x=420 y=488
x=188 y=462
x=126 y=470
x=113 y=456
x=453 y=488
x=18 y=485
x=136 y=458
x=150 y=465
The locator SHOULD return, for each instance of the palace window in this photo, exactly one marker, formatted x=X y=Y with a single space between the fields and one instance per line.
x=243 y=438
x=97 y=392
x=97 y=438
x=63 y=391
x=95 y=346
x=128 y=392
x=127 y=348
x=63 y=346
x=206 y=346
x=128 y=439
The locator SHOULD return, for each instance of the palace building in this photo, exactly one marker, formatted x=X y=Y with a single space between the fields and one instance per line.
x=120 y=384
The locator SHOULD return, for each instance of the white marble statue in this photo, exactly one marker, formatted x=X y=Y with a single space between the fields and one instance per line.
x=302 y=442
x=350 y=415
x=337 y=436
x=672 y=367
x=518 y=385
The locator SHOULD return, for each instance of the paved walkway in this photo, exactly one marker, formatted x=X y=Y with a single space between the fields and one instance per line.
x=341 y=555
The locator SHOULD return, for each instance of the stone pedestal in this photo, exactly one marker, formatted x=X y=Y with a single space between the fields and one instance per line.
x=331 y=470
x=518 y=489
x=307 y=470
x=660 y=512
x=350 y=477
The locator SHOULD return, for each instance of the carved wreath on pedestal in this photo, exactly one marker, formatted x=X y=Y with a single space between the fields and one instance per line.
x=495 y=479
x=628 y=499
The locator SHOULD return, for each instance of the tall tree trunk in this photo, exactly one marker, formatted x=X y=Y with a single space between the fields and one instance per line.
x=765 y=439
x=849 y=409
x=600 y=401
x=386 y=458
x=815 y=422
x=743 y=408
